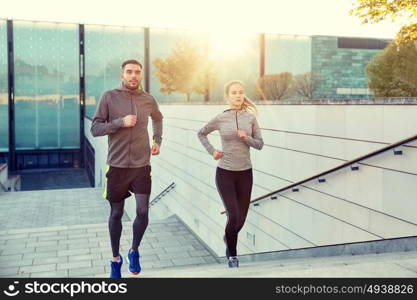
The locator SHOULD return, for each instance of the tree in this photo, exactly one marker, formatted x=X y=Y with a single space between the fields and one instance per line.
x=374 y=11
x=274 y=86
x=393 y=72
x=187 y=70
x=305 y=84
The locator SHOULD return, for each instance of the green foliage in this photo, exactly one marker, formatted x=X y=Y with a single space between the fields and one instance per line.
x=393 y=72
x=374 y=11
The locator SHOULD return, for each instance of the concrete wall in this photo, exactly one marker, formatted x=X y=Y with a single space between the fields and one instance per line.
x=376 y=202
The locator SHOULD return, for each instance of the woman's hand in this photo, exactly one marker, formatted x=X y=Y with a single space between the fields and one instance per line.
x=242 y=134
x=217 y=154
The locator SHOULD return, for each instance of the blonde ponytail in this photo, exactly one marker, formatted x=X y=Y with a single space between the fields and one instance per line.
x=249 y=106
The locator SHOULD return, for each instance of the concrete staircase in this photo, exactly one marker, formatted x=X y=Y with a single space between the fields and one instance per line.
x=64 y=233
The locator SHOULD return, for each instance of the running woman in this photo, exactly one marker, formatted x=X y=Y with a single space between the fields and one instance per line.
x=239 y=130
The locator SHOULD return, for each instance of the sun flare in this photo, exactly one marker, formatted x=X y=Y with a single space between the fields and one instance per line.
x=228 y=43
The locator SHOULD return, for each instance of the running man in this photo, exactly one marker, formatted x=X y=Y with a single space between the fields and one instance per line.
x=123 y=115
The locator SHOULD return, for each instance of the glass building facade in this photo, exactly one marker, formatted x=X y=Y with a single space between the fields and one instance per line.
x=48 y=80
x=106 y=48
x=46 y=72
x=162 y=44
x=342 y=66
x=242 y=63
x=4 y=117
x=287 y=53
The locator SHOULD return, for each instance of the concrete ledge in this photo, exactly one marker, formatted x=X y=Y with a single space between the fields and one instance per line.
x=325 y=101
x=376 y=247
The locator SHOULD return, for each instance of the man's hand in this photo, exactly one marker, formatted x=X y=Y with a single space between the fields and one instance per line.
x=155 y=149
x=217 y=154
x=129 y=121
x=242 y=134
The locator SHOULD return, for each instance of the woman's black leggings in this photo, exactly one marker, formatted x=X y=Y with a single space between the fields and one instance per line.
x=139 y=225
x=235 y=188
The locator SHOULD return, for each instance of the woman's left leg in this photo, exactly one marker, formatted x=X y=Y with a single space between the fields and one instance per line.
x=244 y=192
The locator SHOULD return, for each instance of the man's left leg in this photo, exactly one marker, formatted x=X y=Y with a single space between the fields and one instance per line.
x=141 y=220
x=141 y=187
x=139 y=227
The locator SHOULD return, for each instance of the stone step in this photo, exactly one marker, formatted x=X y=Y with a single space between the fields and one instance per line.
x=84 y=250
x=46 y=208
x=395 y=264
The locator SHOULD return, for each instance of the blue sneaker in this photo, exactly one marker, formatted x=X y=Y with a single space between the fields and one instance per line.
x=134 y=265
x=116 y=266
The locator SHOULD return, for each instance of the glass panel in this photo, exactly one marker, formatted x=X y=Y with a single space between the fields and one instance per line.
x=162 y=44
x=4 y=117
x=106 y=48
x=46 y=85
x=342 y=71
x=236 y=57
x=287 y=53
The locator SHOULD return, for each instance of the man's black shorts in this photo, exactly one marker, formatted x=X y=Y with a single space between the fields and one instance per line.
x=122 y=181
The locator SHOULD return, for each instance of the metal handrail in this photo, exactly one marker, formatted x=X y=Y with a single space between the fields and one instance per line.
x=344 y=165
x=162 y=194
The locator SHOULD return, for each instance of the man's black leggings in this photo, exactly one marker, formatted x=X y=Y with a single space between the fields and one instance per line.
x=139 y=225
x=235 y=188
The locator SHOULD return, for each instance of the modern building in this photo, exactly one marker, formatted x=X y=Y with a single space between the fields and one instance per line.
x=52 y=76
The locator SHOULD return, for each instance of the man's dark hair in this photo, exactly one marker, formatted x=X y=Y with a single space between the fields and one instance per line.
x=131 y=61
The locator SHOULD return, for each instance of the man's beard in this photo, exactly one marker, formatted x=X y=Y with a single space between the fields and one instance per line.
x=128 y=86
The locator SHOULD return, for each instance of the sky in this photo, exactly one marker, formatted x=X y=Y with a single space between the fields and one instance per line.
x=300 y=17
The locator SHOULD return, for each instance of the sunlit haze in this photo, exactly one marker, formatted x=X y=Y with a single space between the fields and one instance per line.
x=301 y=17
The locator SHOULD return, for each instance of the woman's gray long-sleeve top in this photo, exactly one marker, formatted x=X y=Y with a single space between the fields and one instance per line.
x=236 y=154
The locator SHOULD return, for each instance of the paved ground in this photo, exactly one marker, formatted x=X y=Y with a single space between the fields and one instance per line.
x=48 y=179
x=84 y=250
x=64 y=233
x=32 y=209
